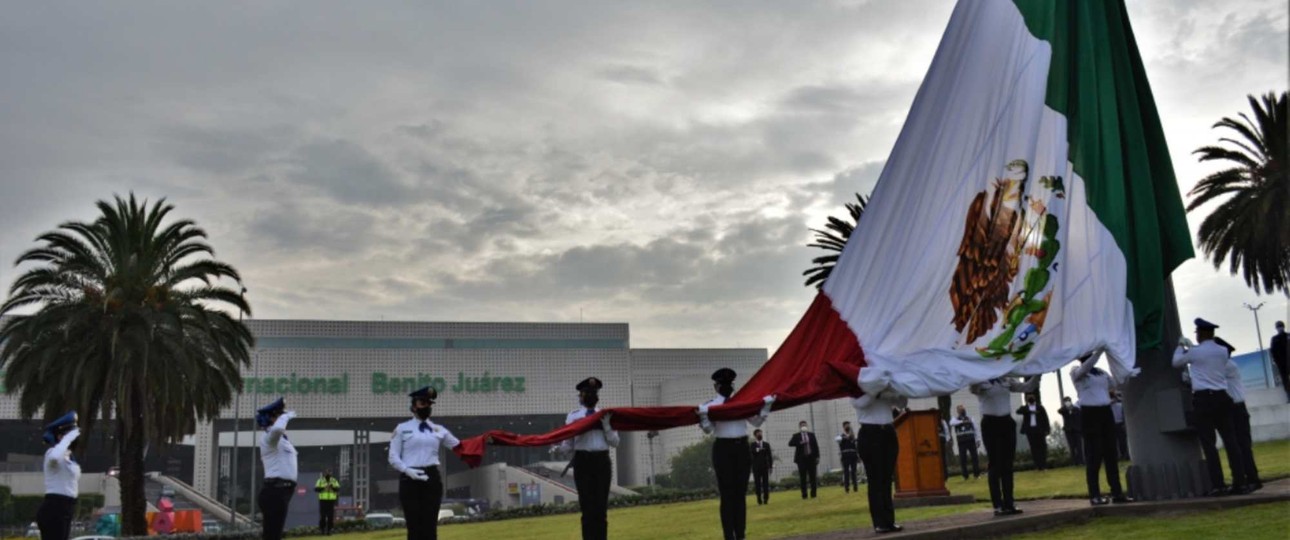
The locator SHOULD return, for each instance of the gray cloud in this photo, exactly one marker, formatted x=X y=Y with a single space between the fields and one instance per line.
x=658 y=165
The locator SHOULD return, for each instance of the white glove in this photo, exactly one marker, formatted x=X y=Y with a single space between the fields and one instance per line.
x=1186 y=342
x=418 y=474
x=768 y=399
x=703 y=409
x=604 y=420
x=289 y=414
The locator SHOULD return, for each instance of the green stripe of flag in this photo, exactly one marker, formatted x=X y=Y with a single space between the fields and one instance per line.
x=1117 y=146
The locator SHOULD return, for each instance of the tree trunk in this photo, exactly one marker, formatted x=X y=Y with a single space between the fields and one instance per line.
x=129 y=432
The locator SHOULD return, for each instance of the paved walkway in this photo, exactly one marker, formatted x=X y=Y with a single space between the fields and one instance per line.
x=1046 y=514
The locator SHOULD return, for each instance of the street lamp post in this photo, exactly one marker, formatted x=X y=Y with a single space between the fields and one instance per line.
x=651 y=435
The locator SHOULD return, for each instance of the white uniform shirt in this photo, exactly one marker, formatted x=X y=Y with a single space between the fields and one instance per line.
x=276 y=451
x=728 y=429
x=1034 y=415
x=62 y=473
x=995 y=395
x=1208 y=363
x=1092 y=385
x=594 y=440
x=1235 y=387
x=872 y=409
x=412 y=447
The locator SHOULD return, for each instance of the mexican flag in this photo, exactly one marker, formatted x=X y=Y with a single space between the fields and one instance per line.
x=1028 y=214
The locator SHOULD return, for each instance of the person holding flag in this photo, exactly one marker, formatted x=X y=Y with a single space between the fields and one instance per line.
x=878 y=448
x=1093 y=387
x=999 y=433
x=730 y=458
x=278 y=456
x=592 y=469
x=62 y=479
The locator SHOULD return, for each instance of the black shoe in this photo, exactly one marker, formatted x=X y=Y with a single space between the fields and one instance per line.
x=1012 y=511
x=1256 y=486
x=1242 y=490
x=891 y=529
x=1217 y=492
x=1121 y=499
x=1099 y=501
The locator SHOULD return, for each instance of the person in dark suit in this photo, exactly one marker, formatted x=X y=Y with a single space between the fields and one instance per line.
x=1280 y=348
x=1071 y=427
x=1035 y=426
x=806 y=454
x=763 y=461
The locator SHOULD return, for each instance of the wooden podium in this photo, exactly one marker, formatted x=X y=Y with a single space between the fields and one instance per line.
x=919 y=469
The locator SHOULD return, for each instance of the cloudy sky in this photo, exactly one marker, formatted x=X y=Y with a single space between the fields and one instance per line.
x=652 y=163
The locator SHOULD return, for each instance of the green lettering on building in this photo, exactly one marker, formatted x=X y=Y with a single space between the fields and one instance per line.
x=383 y=384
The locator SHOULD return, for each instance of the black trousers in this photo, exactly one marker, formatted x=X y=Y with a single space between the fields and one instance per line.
x=732 y=463
x=806 y=475
x=850 y=474
x=592 y=474
x=1038 y=449
x=54 y=517
x=878 y=450
x=1075 y=443
x=1100 y=450
x=275 y=497
x=761 y=484
x=967 y=445
x=1241 y=425
x=1213 y=412
x=999 y=434
x=420 y=501
x=326 y=516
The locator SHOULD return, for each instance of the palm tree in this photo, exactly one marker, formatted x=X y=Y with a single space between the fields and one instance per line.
x=833 y=239
x=125 y=327
x=1250 y=229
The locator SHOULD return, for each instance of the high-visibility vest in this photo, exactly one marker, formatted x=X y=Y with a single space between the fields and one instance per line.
x=327 y=494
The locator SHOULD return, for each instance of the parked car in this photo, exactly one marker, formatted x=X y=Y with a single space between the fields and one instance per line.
x=380 y=519
x=212 y=526
x=400 y=522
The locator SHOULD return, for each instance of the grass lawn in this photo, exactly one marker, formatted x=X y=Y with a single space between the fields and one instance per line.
x=834 y=510
x=1270 y=521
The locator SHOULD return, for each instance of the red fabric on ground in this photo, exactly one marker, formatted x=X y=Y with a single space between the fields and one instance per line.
x=819 y=360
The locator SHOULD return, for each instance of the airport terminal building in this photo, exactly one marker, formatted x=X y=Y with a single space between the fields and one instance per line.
x=348 y=382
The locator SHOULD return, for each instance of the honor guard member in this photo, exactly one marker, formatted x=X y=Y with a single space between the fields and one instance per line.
x=999 y=433
x=1280 y=350
x=592 y=469
x=878 y=449
x=730 y=457
x=1241 y=424
x=850 y=458
x=414 y=451
x=966 y=436
x=1093 y=386
x=763 y=461
x=328 y=488
x=62 y=479
x=278 y=456
x=1211 y=404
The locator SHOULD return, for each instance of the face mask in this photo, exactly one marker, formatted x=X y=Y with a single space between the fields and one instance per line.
x=847 y=429
x=803 y=429
x=422 y=412
x=759 y=436
x=590 y=400
x=1030 y=401
x=725 y=390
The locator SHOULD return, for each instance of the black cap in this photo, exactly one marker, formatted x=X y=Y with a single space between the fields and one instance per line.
x=1202 y=324
x=590 y=384
x=427 y=393
x=724 y=375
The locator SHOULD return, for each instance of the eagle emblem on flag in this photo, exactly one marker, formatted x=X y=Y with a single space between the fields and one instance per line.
x=1006 y=231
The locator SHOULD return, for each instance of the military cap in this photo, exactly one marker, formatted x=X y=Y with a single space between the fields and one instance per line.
x=62 y=424
x=427 y=393
x=724 y=375
x=1202 y=324
x=263 y=414
x=590 y=384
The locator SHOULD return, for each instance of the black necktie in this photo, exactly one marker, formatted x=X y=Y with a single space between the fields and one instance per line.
x=425 y=426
